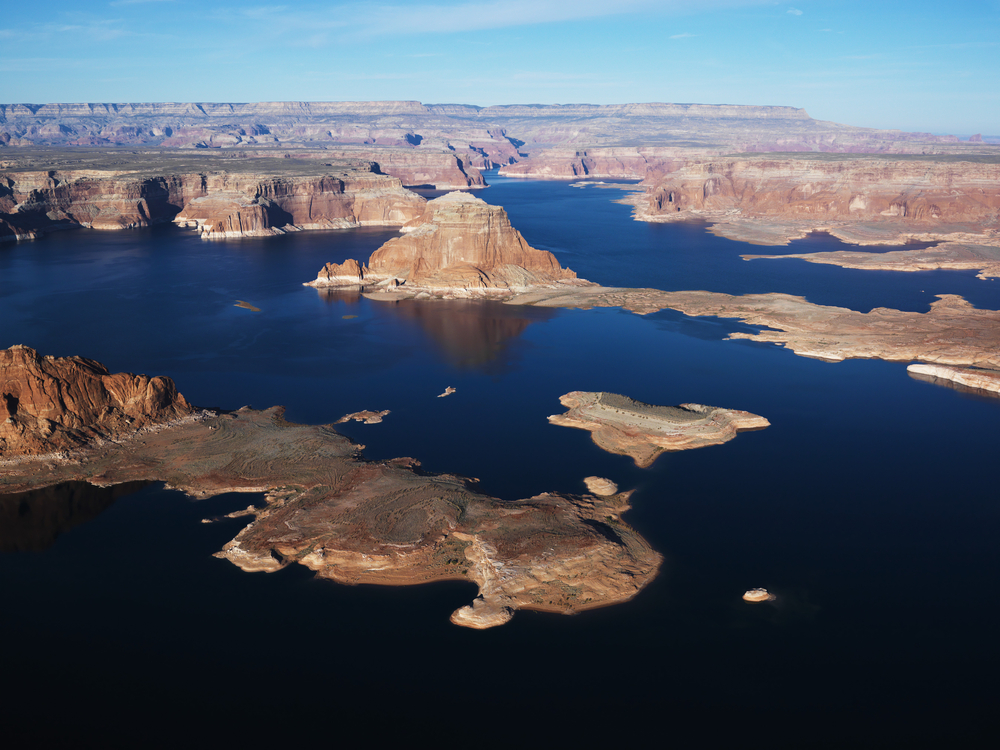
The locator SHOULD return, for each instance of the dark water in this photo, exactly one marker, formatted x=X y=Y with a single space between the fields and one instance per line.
x=869 y=506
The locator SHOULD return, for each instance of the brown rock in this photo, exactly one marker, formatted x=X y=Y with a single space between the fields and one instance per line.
x=461 y=242
x=619 y=424
x=355 y=521
x=908 y=192
x=54 y=404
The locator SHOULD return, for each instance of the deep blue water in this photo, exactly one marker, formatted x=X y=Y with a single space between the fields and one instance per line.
x=869 y=506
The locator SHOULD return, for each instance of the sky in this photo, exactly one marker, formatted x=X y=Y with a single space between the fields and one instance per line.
x=917 y=66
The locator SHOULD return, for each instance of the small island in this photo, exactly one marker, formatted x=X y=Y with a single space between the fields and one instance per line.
x=619 y=424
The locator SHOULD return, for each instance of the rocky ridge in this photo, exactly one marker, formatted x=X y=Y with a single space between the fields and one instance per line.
x=251 y=198
x=54 y=404
x=861 y=199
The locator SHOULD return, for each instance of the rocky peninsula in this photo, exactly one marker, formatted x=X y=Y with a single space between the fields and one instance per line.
x=460 y=246
x=619 y=424
x=952 y=332
x=348 y=519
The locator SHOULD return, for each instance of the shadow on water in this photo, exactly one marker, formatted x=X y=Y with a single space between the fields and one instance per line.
x=32 y=521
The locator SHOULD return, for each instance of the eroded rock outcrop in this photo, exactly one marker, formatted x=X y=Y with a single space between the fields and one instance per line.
x=811 y=192
x=960 y=377
x=619 y=424
x=355 y=521
x=963 y=254
x=458 y=246
x=255 y=197
x=51 y=404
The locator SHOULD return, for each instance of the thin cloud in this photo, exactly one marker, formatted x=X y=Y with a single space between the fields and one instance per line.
x=363 y=19
x=117 y=3
x=685 y=35
x=795 y=11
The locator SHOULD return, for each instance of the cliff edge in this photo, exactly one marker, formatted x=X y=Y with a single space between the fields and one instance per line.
x=51 y=404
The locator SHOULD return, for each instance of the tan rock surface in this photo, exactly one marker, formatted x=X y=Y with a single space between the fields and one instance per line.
x=354 y=521
x=600 y=486
x=758 y=595
x=912 y=190
x=619 y=424
x=950 y=255
x=51 y=404
x=366 y=416
x=978 y=380
x=459 y=246
x=952 y=332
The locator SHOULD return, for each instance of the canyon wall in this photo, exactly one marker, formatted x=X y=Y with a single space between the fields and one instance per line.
x=219 y=203
x=54 y=404
x=867 y=189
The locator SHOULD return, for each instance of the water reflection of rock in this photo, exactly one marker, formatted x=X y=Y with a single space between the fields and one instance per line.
x=470 y=333
x=31 y=521
x=347 y=296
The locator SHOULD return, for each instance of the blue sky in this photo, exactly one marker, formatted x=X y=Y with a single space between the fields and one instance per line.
x=929 y=66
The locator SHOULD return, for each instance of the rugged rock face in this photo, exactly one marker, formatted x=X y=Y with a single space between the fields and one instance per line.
x=908 y=191
x=619 y=424
x=253 y=197
x=600 y=163
x=53 y=404
x=458 y=244
x=246 y=205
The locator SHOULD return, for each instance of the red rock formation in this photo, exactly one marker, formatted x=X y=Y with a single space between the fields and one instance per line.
x=53 y=404
x=600 y=163
x=906 y=190
x=458 y=244
x=221 y=203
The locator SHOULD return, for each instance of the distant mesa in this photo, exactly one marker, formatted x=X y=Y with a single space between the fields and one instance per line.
x=54 y=404
x=460 y=246
x=619 y=424
x=758 y=595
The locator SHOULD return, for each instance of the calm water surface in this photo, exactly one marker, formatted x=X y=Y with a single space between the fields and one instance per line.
x=869 y=506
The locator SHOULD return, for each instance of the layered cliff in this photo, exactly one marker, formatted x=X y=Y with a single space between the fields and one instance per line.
x=459 y=244
x=484 y=136
x=222 y=199
x=244 y=205
x=910 y=192
x=53 y=404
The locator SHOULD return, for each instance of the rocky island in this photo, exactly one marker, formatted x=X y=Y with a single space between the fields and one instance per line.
x=619 y=424
x=460 y=246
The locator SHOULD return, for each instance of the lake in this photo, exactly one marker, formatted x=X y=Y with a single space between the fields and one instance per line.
x=870 y=506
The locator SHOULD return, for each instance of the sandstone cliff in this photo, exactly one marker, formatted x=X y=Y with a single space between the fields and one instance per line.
x=458 y=245
x=908 y=192
x=54 y=404
x=221 y=198
x=242 y=205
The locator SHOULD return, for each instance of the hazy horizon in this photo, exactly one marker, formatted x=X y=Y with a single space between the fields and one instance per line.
x=915 y=67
